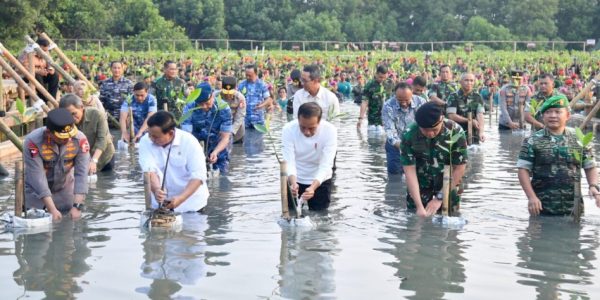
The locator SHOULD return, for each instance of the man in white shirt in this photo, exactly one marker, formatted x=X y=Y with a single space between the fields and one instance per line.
x=309 y=147
x=312 y=91
x=185 y=189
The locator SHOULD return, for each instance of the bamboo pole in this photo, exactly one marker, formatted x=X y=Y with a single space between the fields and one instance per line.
x=470 y=128
x=491 y=100
x=23 y=85
x=446 y=191
x=31 y=70
x=147 y=191
x=586 y=89
x=165 y=106
x=521 y=112
x=131 y=130
x=11 y=135
x=2 y=103
x=19 y=188
x=49 y=60
x=3 y=171
x=590 y=115
x=66 y=59
x=29 y=75
x=285 y=211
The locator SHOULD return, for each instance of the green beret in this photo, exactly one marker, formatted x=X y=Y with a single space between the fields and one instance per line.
x=557 y=101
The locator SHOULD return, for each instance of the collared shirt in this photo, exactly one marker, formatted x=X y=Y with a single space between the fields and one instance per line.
x=237 y=112
x=443 y=89
x=396 y=119
x=140 y=110
x=309 y=158
x=510 y=96
x=167 y=91
x=95 y=128
x=255 y=92
x=59 y=171
x=186 y=162
x=113 y=94
x=325 y=98
x=207 y=125
x=375 y=93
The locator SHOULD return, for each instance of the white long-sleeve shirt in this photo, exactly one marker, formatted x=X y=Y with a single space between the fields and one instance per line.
x=325 y=98
x=309 y=158
x=186 y=162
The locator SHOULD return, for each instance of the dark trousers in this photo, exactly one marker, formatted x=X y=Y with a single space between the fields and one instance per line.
x=321 y=199
x=50 y=82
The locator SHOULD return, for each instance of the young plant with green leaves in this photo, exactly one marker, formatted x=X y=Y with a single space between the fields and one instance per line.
x=190 y=98
x=266 y=129
x=25 y=115
x=453 y=139
x=534 y=107
x=583 y=140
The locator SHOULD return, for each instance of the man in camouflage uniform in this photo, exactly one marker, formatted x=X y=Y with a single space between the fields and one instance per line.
x=237 y=104
x=374 y=94
x=439 y=92
x=419 y=87
x=56 y=162
x=466 y=101
x=211 y=124
x=168 y=88
x=115 y=90
x=546 y=90
x=511 y=95
x=424 y=153
x=550 y=161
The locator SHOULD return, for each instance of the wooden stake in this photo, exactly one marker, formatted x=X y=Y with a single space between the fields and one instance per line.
x=521 y=112
x=590 y=115
x=165 y=106
x=470 y=128
x=2 y=103
x=30 y=75
x=491 y=106
x=285 y=212
x=30 y=71
x=131 y=130
x=586 y=89
x=147 y=191
x=446 y=191
x=19 y=188
x=66 y=59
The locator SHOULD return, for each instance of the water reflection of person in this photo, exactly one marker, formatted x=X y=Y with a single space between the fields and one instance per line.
x=50 y=262
x=554 y=253
x=306 y=265
x=174 y=259
x=429 y=261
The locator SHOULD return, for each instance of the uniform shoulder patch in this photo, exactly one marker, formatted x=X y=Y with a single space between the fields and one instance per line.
x=33 y=149
x=84 y=145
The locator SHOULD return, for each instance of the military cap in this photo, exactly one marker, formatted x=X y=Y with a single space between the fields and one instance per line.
x=516 y=73
x=205 y=92
x=61 y=123
x=428 y=115
x=229 y=84
x=557 y=101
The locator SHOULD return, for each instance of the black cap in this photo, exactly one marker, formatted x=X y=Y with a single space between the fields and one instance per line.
x=428 y=115
x=229 y=83
x=516 y=73
x=61 y=123
x=296 y=74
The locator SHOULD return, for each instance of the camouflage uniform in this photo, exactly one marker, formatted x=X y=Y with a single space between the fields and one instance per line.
x=207 y=125
x=443 y=89
x=166 y=91
x=540 y=98
x=461 y=104
x=554 y=168
x=113 y=93
x=376 y=94
x=59 y=171
x=430 y=159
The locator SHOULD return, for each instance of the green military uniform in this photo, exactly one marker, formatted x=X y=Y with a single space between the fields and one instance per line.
x=430 y=156
x=443 y=89
x=376 y=94
x=167 y=91
x=461 y=104
x=555 y=169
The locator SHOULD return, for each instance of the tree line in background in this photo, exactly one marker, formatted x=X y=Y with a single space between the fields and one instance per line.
x=333 y=20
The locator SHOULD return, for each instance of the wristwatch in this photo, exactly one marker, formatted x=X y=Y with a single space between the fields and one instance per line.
x=439 y=196
x=79 y=206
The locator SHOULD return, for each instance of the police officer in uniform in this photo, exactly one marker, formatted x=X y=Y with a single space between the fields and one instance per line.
x=237 y=104
x=210 y=122
x=56 y=162
x=511 y=97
